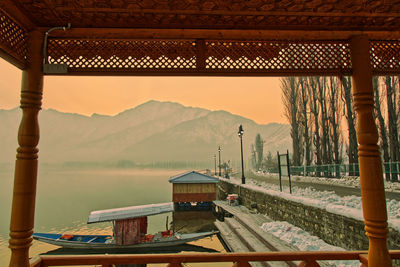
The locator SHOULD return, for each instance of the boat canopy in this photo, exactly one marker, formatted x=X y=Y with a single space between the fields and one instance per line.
x=129 y=212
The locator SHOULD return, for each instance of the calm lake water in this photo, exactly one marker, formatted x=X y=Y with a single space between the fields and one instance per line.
x=65 y=197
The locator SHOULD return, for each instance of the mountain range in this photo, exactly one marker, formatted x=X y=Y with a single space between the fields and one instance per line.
x=151 y=132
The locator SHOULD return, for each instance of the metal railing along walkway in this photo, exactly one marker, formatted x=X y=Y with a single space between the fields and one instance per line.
x=339 y=170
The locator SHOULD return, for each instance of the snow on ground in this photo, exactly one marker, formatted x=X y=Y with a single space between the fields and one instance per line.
x=304 y=241
x=349 y=206
x=349 y=181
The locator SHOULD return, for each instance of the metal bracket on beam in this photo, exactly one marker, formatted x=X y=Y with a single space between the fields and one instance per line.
x=53 y=68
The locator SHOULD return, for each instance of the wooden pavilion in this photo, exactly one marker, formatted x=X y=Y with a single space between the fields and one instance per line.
x=360 y=38
x=193 y=186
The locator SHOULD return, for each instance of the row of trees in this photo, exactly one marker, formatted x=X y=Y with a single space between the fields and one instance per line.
x=315 y=106
x=386 y=92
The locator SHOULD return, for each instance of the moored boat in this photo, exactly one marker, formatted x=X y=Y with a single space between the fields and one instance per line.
x=129 y=231
x=160 y=239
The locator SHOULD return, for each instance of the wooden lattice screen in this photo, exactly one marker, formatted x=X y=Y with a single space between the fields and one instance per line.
x=218 y=57
x=13 y=41
x=278 y=57
x=122 y=55
x=385 y=57
x=199 y=57
x=203 y=57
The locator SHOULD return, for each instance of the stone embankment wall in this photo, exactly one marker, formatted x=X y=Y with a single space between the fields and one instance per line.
x=334 y=229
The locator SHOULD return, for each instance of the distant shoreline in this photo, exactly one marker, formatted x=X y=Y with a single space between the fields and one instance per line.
x=162 y=165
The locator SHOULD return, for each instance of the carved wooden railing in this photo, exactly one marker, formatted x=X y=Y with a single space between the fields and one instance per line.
x=306 y=258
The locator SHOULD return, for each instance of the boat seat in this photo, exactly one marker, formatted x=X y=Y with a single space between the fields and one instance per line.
x=93 y=239
x=66 y=237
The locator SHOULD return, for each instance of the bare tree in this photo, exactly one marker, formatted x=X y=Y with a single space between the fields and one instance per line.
x=315 y=110
x=350 y=115
x=290 y=98
x=269 y=161
x=304 y=119
x=334 y=118
x=253 y=158
x=381 y=125
x=259 y=146
x=392 y=122
x=325 y=144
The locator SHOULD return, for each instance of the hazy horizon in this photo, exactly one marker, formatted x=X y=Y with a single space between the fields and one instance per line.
x=152 y=100
x=152 y=132
x=256 y=98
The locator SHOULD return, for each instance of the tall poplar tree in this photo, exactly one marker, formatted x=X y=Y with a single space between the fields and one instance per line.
x=304 y=119
x=352 y=151
x=253 y=158
x=334 y=118
x=325 y=144
x=381 y=125
x=259 y=147
x=315 y=110
x=391 y=97
x=290 y=98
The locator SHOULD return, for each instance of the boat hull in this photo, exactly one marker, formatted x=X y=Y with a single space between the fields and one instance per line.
x=104 y=241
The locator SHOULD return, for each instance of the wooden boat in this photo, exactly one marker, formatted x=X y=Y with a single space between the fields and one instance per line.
x=161 y=239
x=129 y=230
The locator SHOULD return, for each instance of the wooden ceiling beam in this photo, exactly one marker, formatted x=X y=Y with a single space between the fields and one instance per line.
x=7 y=56
x=240 y=73
x=15 y=13
x=230 y=13
x=122 y=33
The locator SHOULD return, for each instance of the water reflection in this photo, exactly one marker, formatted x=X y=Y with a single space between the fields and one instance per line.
x=65 y=198
x=193 y=221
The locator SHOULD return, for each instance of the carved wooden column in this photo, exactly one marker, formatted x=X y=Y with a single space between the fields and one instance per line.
x=26 y=165
x=371 y=177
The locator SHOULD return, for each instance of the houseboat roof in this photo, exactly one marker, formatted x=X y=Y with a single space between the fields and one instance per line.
x=193 y=177
x=129 y=212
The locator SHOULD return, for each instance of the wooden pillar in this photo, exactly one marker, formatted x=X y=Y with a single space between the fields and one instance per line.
x=371 y=177
x=26 y=165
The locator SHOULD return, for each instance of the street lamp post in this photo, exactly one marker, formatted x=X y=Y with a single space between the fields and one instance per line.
x=240 y=134
x=215 y=164
x=219 y=160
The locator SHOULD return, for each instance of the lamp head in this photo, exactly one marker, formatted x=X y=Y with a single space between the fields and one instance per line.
x=240 y=132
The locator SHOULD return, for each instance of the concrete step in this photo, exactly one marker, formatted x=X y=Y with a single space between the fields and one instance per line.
x=248 y=224
x=239 y=239
x=254 y=221
x=230 y=238
x=234 y=242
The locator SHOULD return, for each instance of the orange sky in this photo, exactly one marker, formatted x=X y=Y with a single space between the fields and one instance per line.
x=256 y=98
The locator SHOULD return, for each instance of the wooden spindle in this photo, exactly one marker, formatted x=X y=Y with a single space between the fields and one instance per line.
x=26 y=165
x=371 y=177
